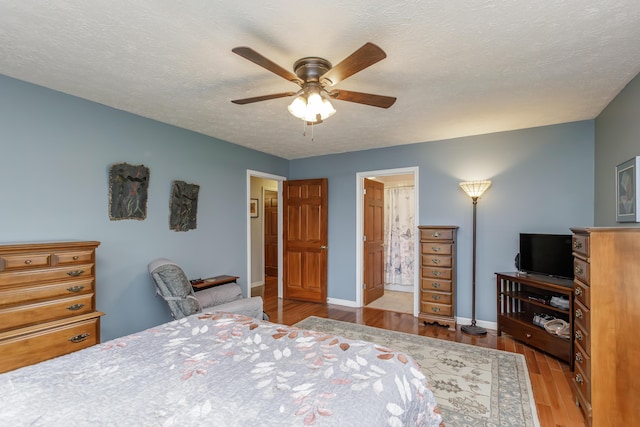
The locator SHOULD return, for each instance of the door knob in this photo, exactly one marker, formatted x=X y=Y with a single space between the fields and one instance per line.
x=323 y=248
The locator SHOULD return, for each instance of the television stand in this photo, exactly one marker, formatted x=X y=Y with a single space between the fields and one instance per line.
x=521 y=297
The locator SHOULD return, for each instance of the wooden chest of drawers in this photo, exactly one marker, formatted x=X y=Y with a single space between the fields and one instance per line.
x=438 y=275
x=47 y=301
x=606 y=313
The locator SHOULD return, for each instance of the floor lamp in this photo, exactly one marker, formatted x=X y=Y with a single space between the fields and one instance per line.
x=474 y=189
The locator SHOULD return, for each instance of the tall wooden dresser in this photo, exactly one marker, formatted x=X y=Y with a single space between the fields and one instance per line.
x=47 y=301
x=606 y=320
x=438 y=275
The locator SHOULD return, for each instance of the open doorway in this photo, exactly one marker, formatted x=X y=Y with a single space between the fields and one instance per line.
x=264 y=220
x=399 y=266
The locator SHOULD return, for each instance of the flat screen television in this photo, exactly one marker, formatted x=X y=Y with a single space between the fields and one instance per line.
x=547 y=254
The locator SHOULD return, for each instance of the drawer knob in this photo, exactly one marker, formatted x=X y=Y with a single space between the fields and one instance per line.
x=436 y=273
x=435 y=248
x=579 y=379
x=435 y=285
x=79 y=338
x=579 y=358
x=436 y=234
x=435 y=260
x=28 y=262
x=75 y=273
x=76 y=288
x=579 y=335
x=528 y=335
x=76 y=257
x=578 y=314
x=75 y=307
x=436 y=297
x=579 y=291
x=435 y=309
x=579 y=270
x=577 y=245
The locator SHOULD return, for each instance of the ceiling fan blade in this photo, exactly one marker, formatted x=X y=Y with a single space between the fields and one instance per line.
x=256 y=58
x=362 y=58
x=363 y=98
x=262 y=98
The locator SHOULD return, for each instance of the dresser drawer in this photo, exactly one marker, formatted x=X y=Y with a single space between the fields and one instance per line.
x=581 y=270
x=582 y=383
x=74 y=257
x=580 y=245
x=437 y=297
x=435 y=285
x=436 y=260
x=581 y=336
x=16 y=316
x=44 y=344
x=582 y=316
x=583 y=360
x=436 y=234
x=435 y=309
x=33 y=292
x=437 y=273
x=436 y=248
x=582 y=293
x=46 y=275
x=10 y=262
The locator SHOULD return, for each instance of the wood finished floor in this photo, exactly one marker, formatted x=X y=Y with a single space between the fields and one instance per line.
x=550 y=378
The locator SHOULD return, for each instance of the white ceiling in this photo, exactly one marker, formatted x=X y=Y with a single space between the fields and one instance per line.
x=457 y=67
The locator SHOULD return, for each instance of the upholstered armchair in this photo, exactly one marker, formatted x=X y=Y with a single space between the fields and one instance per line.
x=174 y=287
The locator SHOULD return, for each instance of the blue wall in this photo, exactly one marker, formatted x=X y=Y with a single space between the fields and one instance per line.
x=56 y=151
x=55 y=155
x=542 y=182
x=617 y=134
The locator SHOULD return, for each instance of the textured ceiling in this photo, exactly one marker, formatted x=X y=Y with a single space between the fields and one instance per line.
x=457 y=67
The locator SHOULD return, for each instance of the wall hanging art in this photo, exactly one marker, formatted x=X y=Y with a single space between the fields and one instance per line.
x=183 y=206
x=128 y=186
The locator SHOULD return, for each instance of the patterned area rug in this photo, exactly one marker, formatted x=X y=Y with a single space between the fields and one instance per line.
x=474 y=386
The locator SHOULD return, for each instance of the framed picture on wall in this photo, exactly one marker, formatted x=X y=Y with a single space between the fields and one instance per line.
x=627 y=190
x=253 y=208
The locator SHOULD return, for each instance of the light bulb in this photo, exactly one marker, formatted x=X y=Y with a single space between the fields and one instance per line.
x=298 y=107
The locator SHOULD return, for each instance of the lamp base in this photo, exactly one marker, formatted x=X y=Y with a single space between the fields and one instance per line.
x=473 y=330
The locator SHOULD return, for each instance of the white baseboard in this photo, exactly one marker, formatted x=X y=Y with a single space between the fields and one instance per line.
x=459 y=320
x=258 y=283
x=343 y=302
x=483 y=323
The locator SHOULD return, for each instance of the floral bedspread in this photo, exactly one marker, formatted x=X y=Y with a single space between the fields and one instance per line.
x=221 y=370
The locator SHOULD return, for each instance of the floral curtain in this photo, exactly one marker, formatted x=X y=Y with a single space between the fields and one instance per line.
x=399 y=239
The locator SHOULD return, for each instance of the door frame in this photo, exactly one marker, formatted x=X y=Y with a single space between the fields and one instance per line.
x=279 y=179
x=360 y=230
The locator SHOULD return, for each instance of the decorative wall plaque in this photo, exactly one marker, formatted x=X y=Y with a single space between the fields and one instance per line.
x=128 y=186
x=183 y=206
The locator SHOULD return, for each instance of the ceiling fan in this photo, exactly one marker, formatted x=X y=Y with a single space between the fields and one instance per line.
x=315 y=76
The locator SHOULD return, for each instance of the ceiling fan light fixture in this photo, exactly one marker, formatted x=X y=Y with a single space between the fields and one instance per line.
x=313 y=109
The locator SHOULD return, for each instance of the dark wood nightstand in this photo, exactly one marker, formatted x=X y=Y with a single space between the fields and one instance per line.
x=212 y=281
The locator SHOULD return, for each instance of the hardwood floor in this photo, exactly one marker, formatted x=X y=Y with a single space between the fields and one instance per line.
x=550 y=378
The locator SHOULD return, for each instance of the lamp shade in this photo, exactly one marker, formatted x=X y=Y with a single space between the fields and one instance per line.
x=475 y=188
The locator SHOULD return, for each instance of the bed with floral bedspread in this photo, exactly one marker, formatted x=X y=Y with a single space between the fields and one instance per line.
x=221 y=370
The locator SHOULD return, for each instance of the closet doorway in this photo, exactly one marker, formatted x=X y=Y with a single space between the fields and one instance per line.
x=388 y=277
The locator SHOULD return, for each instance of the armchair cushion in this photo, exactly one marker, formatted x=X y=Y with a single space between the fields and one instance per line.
x=219 y=295
x=174 y=287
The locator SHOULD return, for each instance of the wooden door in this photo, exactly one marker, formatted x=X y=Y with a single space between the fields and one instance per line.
x=270 y=233
x=305 y=240
x=373 y=252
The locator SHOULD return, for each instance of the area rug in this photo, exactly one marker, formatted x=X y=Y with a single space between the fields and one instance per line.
x=474 y=386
